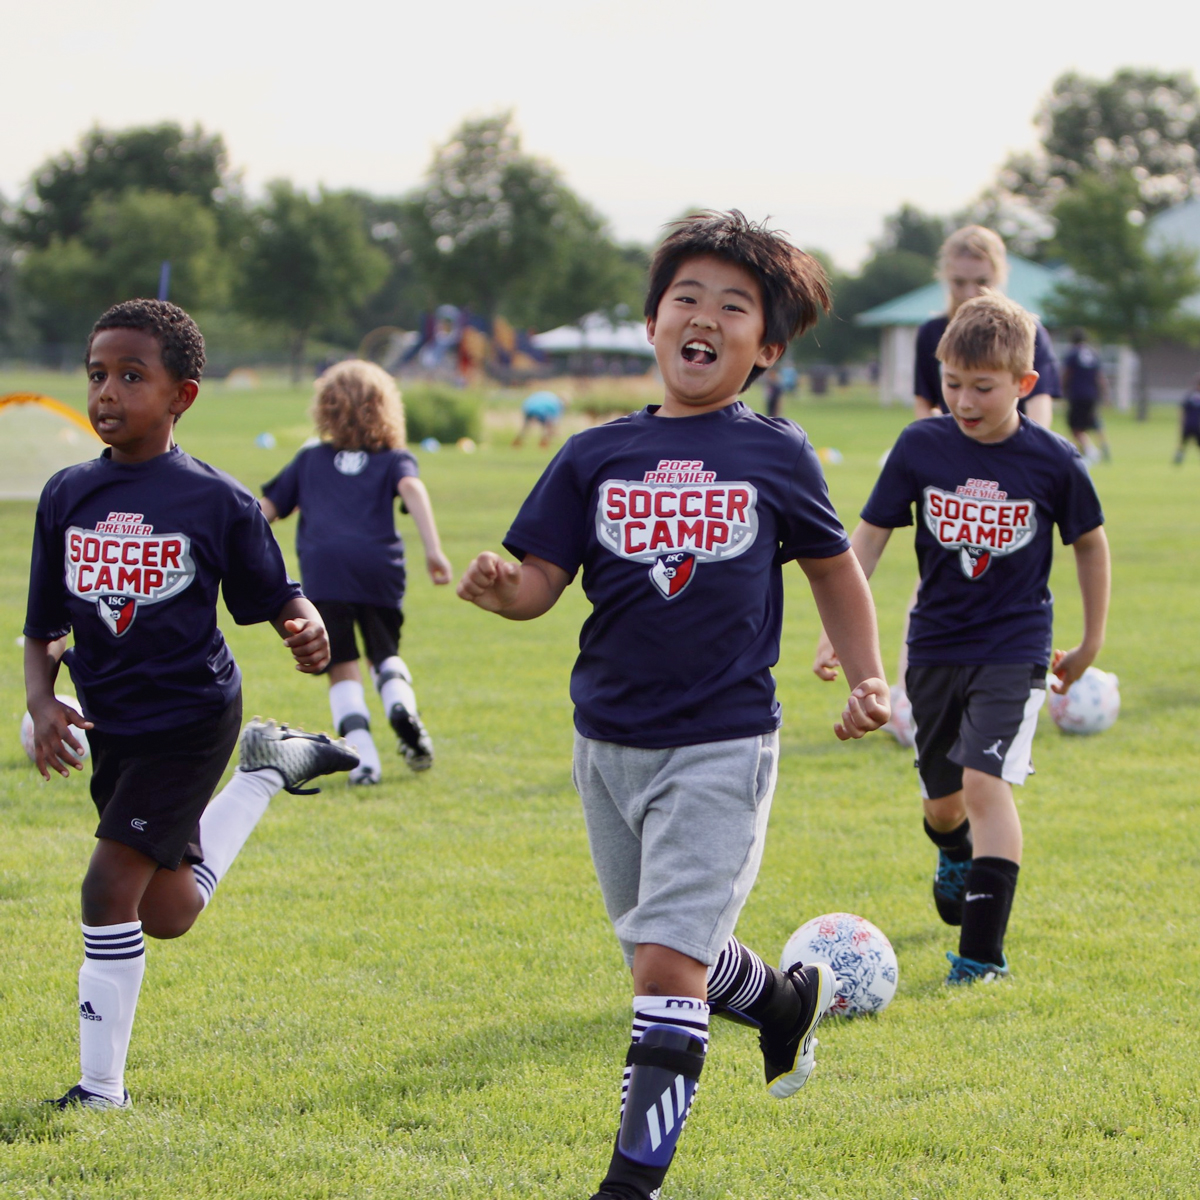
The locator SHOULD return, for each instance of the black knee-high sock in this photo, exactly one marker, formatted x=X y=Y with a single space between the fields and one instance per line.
x=991 y=883
x=955 y=842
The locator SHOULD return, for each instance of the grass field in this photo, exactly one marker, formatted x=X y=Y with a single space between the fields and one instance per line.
x=413 y=991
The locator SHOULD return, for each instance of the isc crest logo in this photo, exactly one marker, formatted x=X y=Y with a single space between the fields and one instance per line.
x=676 y=516
x=123 y=564
x=980 y=522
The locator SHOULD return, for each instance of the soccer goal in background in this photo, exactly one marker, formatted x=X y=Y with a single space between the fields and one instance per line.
x=39 y=436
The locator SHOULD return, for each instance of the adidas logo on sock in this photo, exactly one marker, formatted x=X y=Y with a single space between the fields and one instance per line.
x=88 y=1013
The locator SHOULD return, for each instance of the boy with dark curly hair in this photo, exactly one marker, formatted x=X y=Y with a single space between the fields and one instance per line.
x=681 y=517
x=129 y=551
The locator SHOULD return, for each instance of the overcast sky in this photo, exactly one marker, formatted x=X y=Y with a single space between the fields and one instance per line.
x=826 y=117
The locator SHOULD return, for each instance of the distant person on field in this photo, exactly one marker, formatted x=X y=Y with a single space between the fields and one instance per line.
x=544 y=409
x=681 y=517
x=774 y=386
x=1189 y=423
x=129 y=552
x=972 y=260
x=988 y=486
x=351 y=556
x=1086 y=388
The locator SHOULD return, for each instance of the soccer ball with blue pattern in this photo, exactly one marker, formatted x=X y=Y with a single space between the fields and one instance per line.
x=1090 y=704
x=861 y=957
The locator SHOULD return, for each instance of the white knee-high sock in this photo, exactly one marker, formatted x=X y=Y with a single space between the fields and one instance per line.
x=684 y=1012
x=394 y=681
x=109 y=981
x=352 y=720
x=228 y=821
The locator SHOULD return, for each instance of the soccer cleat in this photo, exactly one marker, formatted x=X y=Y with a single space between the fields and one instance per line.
x=789 y=1061
x=364 y=776
x=80 y=1097
x=949 y=887
x=296 y=755
x=415 y=743
x=967 y=970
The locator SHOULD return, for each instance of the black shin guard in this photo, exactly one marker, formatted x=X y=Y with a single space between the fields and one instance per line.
x=666 y=1066
x=991 y=883
x=956 y=843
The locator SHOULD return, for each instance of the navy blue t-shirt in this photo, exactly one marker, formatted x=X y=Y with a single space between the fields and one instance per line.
x=985 y=517
x=346 y=537
x=927 y=380
x=681 y=526
x=130 y=556
x=1190 y=406
x=1083 y=382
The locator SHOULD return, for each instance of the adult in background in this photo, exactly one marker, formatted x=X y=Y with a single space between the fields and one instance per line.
x=1085 y=387
x=971 y=260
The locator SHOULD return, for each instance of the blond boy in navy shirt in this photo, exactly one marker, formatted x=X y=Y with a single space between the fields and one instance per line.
x=988 y=486
x=681 y=517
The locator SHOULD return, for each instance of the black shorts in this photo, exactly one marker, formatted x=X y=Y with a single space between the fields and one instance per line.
x=151 y=788
x=983 y=717
x=380 y=626
x=1081 y=416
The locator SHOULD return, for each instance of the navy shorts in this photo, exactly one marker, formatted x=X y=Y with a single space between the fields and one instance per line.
x=379 y=624
x=151 y=788
x=981 y=716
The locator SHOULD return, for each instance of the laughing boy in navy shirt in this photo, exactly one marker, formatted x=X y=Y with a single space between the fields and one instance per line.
x=681 y=517
x=989 y=486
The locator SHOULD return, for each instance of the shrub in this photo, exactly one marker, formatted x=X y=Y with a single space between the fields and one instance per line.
x=442 y=412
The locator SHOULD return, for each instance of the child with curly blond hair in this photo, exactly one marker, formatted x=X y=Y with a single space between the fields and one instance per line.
x=351 y=555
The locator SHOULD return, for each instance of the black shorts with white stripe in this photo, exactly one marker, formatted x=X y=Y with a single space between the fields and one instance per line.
x=977 y=716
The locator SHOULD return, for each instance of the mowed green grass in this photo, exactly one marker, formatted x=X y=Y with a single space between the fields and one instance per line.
x=413 y=991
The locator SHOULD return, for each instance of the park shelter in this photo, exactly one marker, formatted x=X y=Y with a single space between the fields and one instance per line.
x=39 y=436
x=597 y=346
x=1029 y=284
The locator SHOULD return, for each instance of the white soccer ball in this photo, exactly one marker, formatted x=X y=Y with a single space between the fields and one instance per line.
x=900 y=724
x=1090 y=705
x=27 y=729
x=861 y=957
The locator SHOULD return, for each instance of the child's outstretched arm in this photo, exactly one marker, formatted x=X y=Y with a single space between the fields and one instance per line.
x=518 y=591
x=303 y=633
x=847 y=611
x=868 y=543
x=55 y=746
x=1093 y=571
x=416 y=500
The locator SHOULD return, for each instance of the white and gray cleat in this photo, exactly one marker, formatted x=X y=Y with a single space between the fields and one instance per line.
x=296 y=755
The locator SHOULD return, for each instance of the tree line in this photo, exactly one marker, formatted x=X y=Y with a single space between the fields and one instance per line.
x=498 y=231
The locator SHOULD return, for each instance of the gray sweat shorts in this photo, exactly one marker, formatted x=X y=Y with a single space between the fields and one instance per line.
x=676 y=836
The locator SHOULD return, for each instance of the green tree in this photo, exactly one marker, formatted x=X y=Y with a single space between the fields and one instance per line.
x=160 y=158
x=903 y=258
x=496 y=230
x=1140 y=123
x=118 y=254
x=1120 y=288
x=309 y=263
